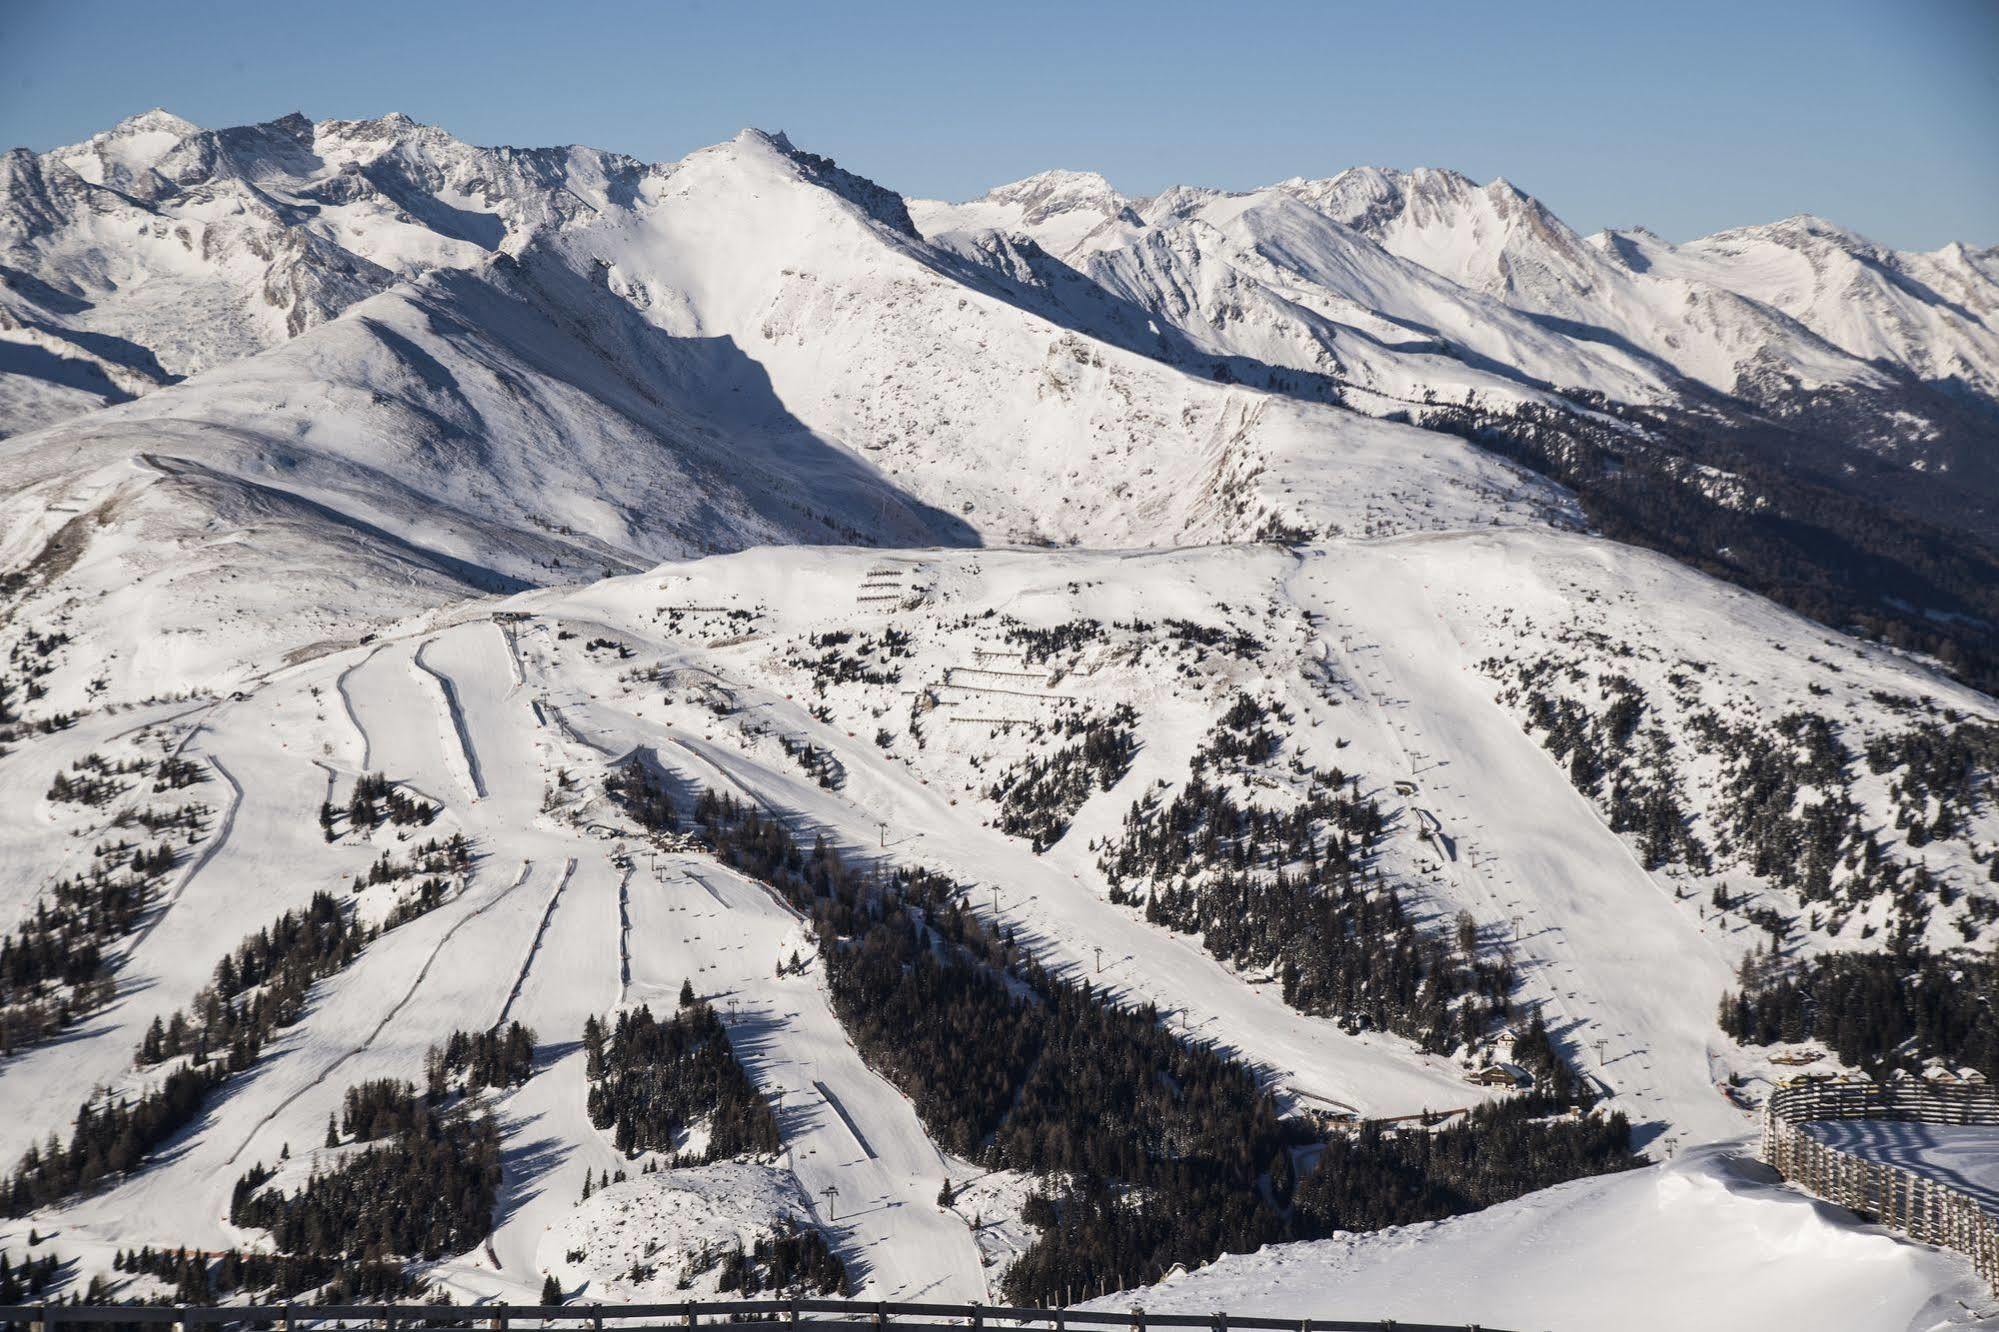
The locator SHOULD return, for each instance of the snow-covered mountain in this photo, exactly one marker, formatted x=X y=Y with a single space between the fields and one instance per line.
x=1195 y=620
x=156 y=250
x=1801 y=299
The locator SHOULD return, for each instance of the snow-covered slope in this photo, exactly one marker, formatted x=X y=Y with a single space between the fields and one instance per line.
x=1708 y=1241
x=751 y=348
x=1935 y=315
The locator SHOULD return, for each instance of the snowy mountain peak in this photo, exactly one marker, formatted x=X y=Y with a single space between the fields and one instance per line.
x=1062 y=211
x=1048 y=193
x=118 y=155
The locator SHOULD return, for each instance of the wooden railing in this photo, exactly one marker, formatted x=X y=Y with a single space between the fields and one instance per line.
x=722 y=1316
x=1918 y=1205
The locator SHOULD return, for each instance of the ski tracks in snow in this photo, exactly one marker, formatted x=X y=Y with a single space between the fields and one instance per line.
x=534 y=944
x=475 y=779
x=319 y=1079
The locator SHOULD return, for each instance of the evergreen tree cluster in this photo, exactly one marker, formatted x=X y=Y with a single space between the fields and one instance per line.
x=1555 y=1083
x=1879 y=1011
x=108 y=1140
x=633 y=789
x=176 y=773
x=845 y=657
x=26 y=1281
x=1500 y=1150
x=822 y=765
x=1948 y=761
x=205 y=1278
x=1611 y=748
x=453 y=855
x=470 y=1060
x=1344 y=947
x=375 y=801
x=423 y=1188
x=53 y=966
x=96 y=781
x=260 y=987
x=794 y=1262
x=1288 y=891
x=1040 y=795
x=651 y=1081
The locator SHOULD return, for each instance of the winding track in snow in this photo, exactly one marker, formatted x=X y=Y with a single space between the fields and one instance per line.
x=457 y=712
x=347 y=702
x=207 y=853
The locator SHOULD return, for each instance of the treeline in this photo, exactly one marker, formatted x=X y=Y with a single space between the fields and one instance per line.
x=1166 y=1148
x=1880 y=1012
x=653 y=1081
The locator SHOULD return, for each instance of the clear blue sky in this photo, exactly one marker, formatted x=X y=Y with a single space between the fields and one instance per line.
x=1686 y=117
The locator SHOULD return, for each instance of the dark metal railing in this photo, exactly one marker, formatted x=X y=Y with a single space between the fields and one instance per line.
x=721 y=1316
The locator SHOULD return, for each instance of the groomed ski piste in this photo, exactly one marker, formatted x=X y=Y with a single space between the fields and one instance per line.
x=512 y=724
